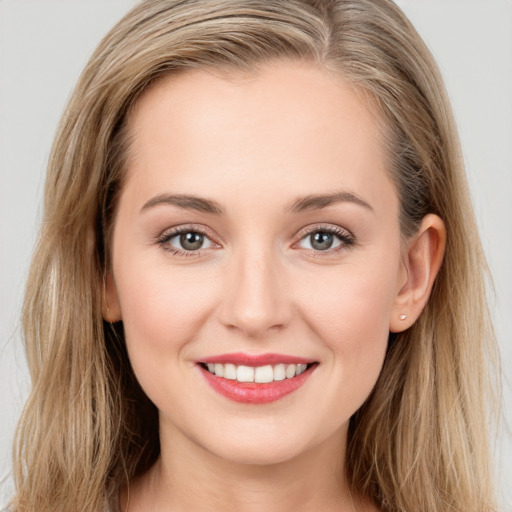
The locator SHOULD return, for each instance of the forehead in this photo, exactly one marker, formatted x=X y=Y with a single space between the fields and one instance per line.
x=288 y=123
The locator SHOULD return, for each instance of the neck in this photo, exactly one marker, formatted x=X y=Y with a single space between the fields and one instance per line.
x=188 y=477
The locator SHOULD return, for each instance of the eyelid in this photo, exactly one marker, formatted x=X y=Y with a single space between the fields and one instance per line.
x=169 y=233
x=346 y=237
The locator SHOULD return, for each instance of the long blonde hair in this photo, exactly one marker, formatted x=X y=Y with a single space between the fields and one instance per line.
x=420 y=442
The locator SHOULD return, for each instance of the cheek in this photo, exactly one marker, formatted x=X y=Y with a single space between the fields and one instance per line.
x=350 y=317
x=162 y=309
x=353 y=307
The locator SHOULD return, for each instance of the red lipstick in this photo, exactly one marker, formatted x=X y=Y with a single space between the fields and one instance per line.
x=256 y=392
x=256 y=359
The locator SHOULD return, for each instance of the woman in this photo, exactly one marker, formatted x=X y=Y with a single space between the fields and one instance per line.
x=258 y=283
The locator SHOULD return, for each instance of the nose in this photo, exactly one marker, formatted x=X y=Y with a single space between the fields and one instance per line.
x=255 y=299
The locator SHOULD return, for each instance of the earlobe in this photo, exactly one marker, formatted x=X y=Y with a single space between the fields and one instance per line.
x=111 y=310
x=421 y=264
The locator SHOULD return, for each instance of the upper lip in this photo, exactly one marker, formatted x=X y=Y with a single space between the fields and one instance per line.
x=239 y=358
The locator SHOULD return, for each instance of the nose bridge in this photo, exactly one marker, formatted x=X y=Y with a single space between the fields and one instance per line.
x=255 y=299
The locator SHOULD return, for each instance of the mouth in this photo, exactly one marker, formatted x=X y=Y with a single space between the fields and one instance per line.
x=258 y=374
x=255 y=383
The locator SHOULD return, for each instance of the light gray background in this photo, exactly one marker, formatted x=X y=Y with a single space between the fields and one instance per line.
x=44 y=44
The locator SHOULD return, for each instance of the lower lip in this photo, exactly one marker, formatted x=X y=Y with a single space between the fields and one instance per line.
x=252 y=393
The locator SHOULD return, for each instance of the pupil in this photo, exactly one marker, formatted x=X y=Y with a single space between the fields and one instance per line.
x=191 y=241
x=321 y=241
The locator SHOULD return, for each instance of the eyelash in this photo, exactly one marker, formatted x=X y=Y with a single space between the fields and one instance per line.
x=347 y=239
x=164 y=239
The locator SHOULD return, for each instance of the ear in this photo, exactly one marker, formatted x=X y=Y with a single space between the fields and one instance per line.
x=420 y=265
x=111 y=309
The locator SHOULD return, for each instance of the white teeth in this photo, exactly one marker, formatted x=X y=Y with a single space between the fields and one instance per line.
x=264 y=374
x=259 y=374
x=230 y=372
x=219 y=370
x=301 y=368
x=290 y=371
x=279 y=372
x=245 y=374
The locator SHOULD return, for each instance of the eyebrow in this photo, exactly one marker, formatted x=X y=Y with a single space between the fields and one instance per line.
x=184 y=201
x=317 y=202
x=311 y=202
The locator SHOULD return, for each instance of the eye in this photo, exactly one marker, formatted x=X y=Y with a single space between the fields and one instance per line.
x=185 y=241
x=326 y=239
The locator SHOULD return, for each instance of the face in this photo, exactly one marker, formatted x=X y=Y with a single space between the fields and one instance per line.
x=256 y=238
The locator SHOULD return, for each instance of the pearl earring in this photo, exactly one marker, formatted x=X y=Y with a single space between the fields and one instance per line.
x=403 y=317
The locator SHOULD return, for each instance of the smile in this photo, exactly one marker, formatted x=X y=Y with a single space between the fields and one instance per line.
x=257 y=381
x=259 y=374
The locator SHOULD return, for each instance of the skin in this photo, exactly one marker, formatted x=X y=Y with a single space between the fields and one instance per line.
x=255 y=145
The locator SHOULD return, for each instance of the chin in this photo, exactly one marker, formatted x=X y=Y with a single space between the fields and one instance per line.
x=264 y=448
x=258 y=455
